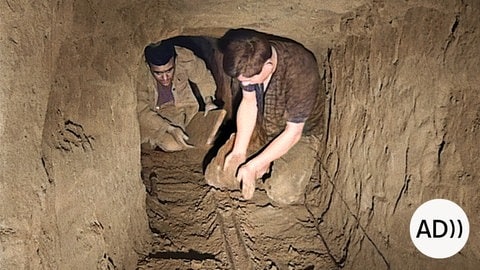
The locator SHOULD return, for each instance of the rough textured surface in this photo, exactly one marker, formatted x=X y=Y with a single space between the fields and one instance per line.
x=71 y=196
x=198 y=227
x=403 y=127
x=403 y=86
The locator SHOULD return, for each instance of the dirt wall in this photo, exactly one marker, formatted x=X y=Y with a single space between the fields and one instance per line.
x=403 y=125
x=71 y=193
x=23 y=102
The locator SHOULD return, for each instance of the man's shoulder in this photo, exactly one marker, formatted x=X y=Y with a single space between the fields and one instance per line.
x=184 y=54
x=291 y=47
x=294 y=56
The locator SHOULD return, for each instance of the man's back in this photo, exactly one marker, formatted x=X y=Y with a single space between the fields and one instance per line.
x=293 y=93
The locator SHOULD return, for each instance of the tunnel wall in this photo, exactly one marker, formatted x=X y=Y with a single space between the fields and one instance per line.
x=71 y=193
x=403 y=130
x=91 y=128
x=25 y=85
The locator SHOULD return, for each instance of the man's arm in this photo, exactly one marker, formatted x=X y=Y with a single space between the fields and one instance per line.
x=246 y=120
x=152 y=125
x=279 y=146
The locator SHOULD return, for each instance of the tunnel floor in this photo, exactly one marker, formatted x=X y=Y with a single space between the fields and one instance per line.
x=198 y=227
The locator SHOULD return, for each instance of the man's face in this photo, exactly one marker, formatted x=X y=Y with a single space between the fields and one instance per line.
x=164 y=74
x=259 y=78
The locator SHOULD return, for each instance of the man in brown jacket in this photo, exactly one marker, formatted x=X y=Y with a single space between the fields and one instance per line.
x=166 y=109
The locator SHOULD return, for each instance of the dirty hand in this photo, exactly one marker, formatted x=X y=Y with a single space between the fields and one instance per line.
x=179 y=135
x=209 y=105
x=247 y=175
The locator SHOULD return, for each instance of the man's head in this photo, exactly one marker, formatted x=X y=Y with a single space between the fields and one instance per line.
x=246 y=55
x=161 y=60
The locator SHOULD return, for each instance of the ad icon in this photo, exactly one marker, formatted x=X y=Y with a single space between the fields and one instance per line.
x=439 y=228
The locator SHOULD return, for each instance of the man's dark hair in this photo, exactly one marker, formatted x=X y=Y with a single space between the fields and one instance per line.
x=159 y=53
x=244 y=51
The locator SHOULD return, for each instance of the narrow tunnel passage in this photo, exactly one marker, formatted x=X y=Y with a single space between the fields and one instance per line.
x=197 y=226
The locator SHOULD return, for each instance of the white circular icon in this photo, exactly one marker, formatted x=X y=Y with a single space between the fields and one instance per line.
x=439 y=228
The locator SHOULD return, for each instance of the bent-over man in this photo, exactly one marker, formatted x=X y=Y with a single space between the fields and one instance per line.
x=282 y=105
x=166 y=109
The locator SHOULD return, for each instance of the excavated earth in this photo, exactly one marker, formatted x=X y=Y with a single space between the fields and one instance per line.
x=199 y=227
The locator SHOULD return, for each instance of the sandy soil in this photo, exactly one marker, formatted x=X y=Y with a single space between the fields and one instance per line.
x=198 y=227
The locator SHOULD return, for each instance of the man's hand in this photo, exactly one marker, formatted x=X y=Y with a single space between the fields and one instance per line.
x=247 y=175
x=209 y=105
x=179 y=135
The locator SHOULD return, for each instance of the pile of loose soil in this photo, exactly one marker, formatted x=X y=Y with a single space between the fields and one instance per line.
x=198 y=227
